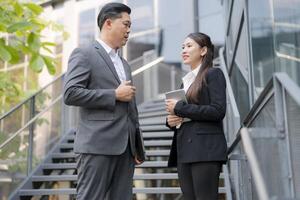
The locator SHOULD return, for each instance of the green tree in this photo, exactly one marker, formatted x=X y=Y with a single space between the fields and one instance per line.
x=22 y=21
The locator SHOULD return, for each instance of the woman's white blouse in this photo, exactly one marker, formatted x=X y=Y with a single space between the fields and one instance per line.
x=189 y=78
x=187 y=81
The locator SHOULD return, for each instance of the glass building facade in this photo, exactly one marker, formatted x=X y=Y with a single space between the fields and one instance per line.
x=262 y=37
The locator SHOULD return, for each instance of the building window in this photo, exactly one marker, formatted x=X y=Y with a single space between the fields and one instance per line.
x=275 y=37
x=86 y=30
x=287 y=37
x=240 y=90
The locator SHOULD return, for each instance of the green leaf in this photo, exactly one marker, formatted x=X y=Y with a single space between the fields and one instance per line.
x=15 y=56
x=19 y=26
x=24 y=49
x=4 y=53
x=34 y=42
x=36 y=63
x=47 y=49
x=34 y=8
x=18 y=9
x=48 y=44
x=49 y=63
x=2 y=27
x=39 y=21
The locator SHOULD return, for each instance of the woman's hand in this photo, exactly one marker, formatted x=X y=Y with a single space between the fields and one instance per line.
x=170 y=105
x=174 y=120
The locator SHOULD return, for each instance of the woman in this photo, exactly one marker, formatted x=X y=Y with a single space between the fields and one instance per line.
x=199 y=146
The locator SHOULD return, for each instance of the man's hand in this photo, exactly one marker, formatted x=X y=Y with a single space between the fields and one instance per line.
x=125 y=92
x=137 y=161
x=170 y=105
x=174 y=120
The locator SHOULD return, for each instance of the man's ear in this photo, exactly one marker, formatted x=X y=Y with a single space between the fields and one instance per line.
x=108 y=23
x=203 y=51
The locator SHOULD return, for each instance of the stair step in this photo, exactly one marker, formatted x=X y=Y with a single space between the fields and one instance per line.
x=158 y=176
x=158 y=164
x=63 y=155
x=55 y=166
x=54 y=178
x=151 y=143
x=66 y=146
x=158 y=119
x=146 y=164
x=153 y=114
x=166 y=134
x=160 y=104
x=152 y=176
x=151 y=109
x=157 y=190
x=165 y=190
x=148 y=190
x=157 y=152
x=152 y=128
x=154 y=143
x=153 y=134
x=40 y=192
x=59 y=166
x=150 y=121
x=148 y=152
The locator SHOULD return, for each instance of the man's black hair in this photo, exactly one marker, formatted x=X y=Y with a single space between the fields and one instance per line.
x=111 y=11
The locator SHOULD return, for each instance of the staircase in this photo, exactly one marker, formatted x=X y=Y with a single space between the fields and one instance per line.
x=56 y=176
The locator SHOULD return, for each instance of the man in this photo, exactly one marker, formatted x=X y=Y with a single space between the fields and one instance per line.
x=98 y=80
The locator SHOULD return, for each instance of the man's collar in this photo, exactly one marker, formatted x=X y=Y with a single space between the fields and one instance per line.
x=107 y=48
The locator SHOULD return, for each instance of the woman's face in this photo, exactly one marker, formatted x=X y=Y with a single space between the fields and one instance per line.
x=192 y=53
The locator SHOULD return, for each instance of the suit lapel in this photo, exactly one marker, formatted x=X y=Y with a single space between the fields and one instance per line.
x=107 y=59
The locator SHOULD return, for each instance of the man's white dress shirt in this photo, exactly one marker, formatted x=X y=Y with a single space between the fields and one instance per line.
x=115 y=58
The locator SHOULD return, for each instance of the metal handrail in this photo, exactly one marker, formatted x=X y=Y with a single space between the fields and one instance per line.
x=286 y=82
x=147 y=66
x=30 y=122
x=243 y=135
x=254 y=167
x=257 y=105
x=30 y=97
x=141 y=69
x=234 y=143
x=290 y=86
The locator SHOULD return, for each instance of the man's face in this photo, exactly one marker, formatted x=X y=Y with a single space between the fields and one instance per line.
x=120 y=29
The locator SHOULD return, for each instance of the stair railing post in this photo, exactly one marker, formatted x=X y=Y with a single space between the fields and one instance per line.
x=31 y=134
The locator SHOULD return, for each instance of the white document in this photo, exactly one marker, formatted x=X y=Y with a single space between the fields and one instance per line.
x=178 y=95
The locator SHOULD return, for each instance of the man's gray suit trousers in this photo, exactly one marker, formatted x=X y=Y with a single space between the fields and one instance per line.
x=105 y=177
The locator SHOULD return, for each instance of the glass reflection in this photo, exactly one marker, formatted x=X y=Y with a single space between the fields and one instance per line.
x=86 y=27
x=275 y=37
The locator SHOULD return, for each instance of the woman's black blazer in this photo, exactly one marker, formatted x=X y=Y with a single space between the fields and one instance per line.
x=202 y=138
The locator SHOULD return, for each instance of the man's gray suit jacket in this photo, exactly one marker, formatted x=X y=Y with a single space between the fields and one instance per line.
x=104 y=124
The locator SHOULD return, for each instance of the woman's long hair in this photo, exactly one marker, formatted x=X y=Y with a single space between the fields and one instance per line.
x=207 y=62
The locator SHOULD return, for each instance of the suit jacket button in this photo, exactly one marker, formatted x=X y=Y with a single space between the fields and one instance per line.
x=189 y=140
